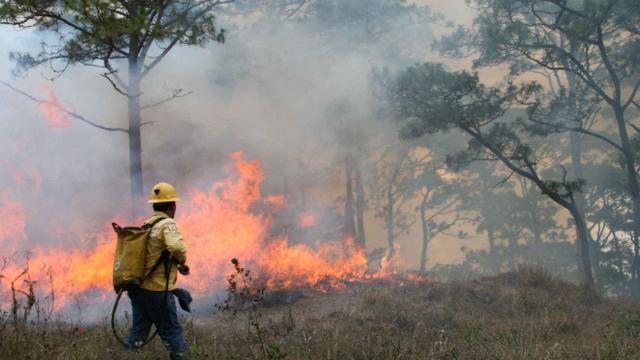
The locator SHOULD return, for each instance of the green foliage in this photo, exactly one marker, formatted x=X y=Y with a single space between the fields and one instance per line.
x=428 y=99
x=587 y=52
x=99 y=31
x=542 y=31
x=565 y=188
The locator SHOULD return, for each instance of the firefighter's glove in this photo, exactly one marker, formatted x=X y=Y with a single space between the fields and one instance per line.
x=183 y=269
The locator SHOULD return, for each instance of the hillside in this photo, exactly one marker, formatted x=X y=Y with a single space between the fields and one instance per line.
x=519 y=315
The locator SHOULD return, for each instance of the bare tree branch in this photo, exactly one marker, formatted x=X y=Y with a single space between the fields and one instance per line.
x=632 y=97
x=179 y=36
x=176 y=94
x=113 y=72
x=634 y=127
x=115 y=86
x=579 y=130
x=70 y=113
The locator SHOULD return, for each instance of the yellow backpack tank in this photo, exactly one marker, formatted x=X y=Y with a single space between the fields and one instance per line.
x=131 y=254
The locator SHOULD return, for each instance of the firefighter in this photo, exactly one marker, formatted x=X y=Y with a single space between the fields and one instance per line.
x=150 y=302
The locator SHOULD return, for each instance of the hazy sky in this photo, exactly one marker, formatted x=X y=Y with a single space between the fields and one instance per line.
x=456 y=10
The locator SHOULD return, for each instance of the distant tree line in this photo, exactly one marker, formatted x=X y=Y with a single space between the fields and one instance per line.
x=569 y=133
x=548 y=171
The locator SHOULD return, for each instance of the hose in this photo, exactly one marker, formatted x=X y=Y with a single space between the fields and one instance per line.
x=113 y=323
x=125 y=343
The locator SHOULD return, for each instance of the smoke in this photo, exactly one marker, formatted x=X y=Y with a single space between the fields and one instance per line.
x=283 y=92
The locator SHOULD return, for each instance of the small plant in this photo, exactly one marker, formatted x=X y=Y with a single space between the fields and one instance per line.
x=21 y=285
x=243 y=294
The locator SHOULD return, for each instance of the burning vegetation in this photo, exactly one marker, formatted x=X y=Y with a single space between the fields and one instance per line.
x=220 y=225
x=343 y=196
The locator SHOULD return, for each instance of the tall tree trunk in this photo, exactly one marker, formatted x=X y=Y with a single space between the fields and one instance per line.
x=486 y=210
x=575 y=149
x=349 y=225
x=534 y=210
x=360 y=203
x=582 y=233
x=390 y=214
x=618 y=249
x=389 y=222
x=426 y=235
x=634 y=191
x=135 y=121
x=576 y=165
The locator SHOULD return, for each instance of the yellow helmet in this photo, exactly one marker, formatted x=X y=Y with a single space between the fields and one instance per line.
x=163 y=192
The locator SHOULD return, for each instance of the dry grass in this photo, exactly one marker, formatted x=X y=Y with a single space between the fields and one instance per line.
x=525 y=314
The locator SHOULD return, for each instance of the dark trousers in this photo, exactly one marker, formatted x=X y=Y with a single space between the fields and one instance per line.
x=148 y=308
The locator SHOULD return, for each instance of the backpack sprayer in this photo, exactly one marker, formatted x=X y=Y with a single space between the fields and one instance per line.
x=129 y=268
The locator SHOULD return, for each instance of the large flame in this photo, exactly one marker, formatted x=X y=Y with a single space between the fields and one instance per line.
x=230 y=219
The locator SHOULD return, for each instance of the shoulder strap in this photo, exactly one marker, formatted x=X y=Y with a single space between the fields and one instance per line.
x=165 y=255
x=153 y=223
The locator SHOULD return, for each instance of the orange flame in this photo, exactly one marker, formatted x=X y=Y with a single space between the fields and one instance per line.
x=51 y=109
x=218 y=224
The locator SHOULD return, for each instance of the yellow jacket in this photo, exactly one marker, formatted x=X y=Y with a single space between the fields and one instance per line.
x=165 y=235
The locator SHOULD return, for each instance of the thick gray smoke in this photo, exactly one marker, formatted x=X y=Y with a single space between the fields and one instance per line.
x=268 y=91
